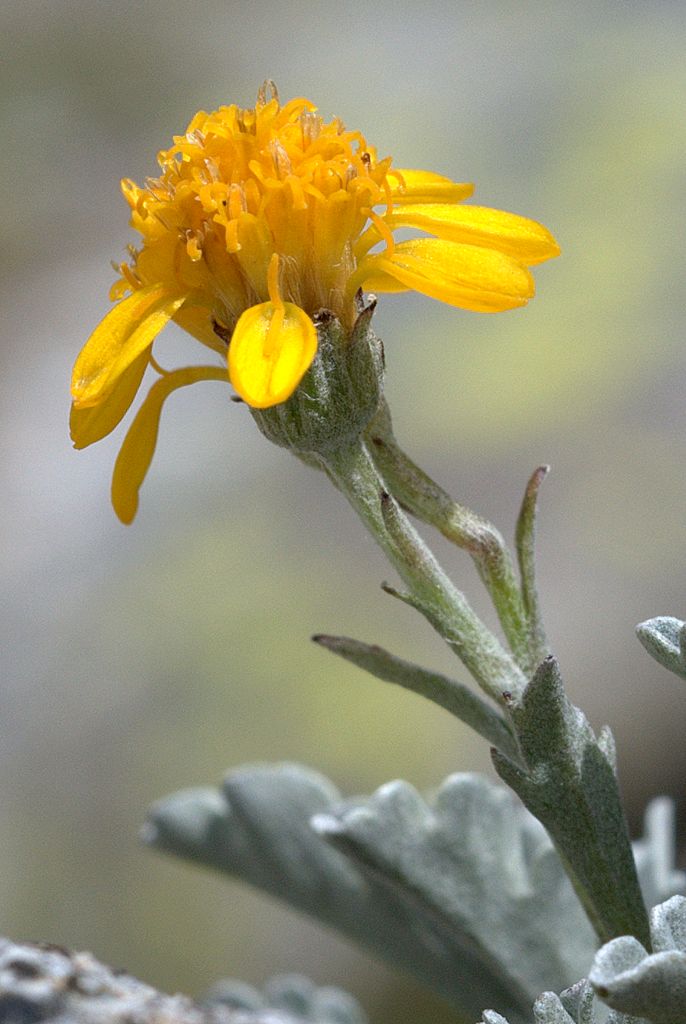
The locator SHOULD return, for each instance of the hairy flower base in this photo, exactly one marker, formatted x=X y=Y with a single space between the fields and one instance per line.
x=259 y=219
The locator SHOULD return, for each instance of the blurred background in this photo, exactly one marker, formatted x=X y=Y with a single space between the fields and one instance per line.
x=140 y=660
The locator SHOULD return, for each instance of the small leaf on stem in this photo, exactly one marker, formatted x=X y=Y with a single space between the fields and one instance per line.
x=455 y=697
x=526 y=555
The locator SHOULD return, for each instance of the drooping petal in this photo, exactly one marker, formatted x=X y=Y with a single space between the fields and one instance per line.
x=271 y=349
x=127 y=331
x=413 y=186
x=524 y=239
x=96 y=421
x=138 y=448
x=468 y=276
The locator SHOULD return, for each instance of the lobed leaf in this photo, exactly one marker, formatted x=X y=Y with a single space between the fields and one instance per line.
x=290 y=995
x=464 y=891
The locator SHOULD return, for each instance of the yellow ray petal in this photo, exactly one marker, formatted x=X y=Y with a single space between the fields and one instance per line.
x=138 y=448
x=271 y=348
x=483 y=280
x=526 y=240
x=97 y=421
x=377 y=281
x=413 y=186
x=197 y=320
x=127 y=331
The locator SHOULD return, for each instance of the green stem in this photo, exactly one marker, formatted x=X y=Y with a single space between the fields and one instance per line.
x=355 y=474
x=421 y=496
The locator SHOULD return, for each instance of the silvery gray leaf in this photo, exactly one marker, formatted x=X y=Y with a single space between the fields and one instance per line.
x=664 y=638
x=465 y=891
x=290 y=994
x=581 y=1007
x=568 y=782
x=45 y=984
x=655 y=854
x=650 y=985
x=576 y=1005
x=624 y=974
x=479 y=870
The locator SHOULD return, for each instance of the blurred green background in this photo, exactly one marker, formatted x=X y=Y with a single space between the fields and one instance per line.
x=140 y=660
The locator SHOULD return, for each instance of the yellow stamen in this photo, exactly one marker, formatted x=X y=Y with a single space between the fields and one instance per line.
x=267 y=86
x=236 y=202
x=377 y=231
x=384 y=231
x=193 y=249
x=273 y=282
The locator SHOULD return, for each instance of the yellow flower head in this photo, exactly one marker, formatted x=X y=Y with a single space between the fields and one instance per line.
x=258 y=219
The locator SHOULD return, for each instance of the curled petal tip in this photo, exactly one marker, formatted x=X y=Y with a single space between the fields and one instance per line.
x=139 y=444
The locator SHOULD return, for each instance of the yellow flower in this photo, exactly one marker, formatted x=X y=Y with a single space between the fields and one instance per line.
x=260 y=218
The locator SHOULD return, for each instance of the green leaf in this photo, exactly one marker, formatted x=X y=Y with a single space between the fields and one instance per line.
x=422 y=497
x=465 y=892
x=569 y=784
x=356 y=475
x=664 y=638
x=578 y=1001
x=477 y=866
x=455 y=697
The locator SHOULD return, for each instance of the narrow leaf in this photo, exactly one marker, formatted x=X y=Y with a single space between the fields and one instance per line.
x=455 y=697
x=526 y=541
x=423 y=498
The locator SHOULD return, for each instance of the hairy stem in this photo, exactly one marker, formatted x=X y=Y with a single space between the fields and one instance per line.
x=355 y=474
x=422 y=497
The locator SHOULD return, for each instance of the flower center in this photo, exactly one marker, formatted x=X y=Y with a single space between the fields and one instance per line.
x=242 y=185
